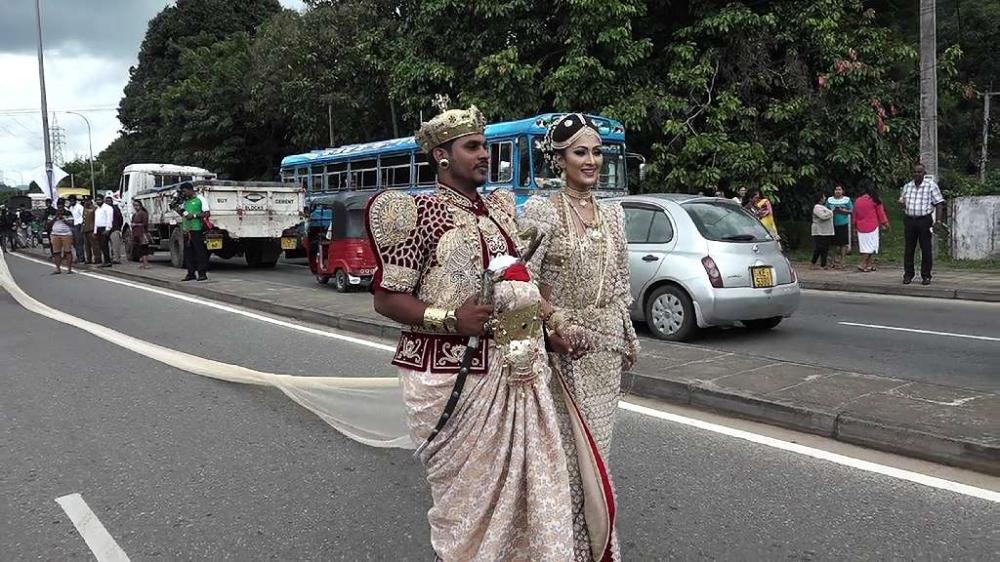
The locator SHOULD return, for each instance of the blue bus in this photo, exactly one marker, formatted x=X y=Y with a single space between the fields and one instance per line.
x=516 y=163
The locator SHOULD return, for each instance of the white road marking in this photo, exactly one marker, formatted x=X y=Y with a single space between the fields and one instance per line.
x=852 y=462
x=226 y=308
x=100 y=541
x=820 y=454
x=915 y=331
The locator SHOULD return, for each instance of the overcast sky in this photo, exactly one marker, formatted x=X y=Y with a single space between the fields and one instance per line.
x=89 y=47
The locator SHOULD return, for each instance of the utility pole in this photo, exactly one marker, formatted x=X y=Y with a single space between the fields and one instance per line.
x=329 y=118
x=984 y=159
x=45 y=106
x=928 y=87
x=928 y=94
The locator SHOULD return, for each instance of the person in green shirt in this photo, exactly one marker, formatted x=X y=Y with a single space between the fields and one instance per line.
x=195 y=252
x=842 y=208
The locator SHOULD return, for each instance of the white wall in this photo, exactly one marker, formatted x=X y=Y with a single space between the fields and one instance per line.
x=975 y=227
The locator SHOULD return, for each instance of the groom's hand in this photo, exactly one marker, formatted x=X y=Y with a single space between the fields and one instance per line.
x=471 y=317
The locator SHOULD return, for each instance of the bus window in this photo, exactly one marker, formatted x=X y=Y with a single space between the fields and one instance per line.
x=502 y=162
x=395 y=171
x=524 y=161
x=317 y=178
x=425 y=174
x=365 y=174
x=336 y=177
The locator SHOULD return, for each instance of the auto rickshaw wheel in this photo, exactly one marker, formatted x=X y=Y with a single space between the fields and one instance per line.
x=322 y=279
x=340 y=281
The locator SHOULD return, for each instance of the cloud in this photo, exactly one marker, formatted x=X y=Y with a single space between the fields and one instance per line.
x=89 y=47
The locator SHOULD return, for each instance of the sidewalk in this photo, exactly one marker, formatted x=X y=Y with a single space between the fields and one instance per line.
x=974 y=285
x=950 y=425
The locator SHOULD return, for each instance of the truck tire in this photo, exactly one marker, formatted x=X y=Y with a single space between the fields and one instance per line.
x=177 y=248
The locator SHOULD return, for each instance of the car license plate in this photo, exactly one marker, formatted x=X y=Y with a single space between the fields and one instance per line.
x=213 y=243
x=762 y=276
x=289 y=243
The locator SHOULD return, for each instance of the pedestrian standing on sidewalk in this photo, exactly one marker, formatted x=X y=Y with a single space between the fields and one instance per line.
x=922 y=202
x=869 y=217
x=195 y=252
x=92 y=248
x=79 y=240
x=140 y=233
x=822 y=231
x=116 y=231
x=104 y=218
x=842 y=208
x=762 y=208
x=61 y=235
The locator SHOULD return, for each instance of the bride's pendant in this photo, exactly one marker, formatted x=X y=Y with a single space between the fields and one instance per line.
x=596 y=234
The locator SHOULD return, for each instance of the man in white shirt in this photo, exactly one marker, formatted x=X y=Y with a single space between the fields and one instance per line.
x=104 y=218
x=921 y=200
x=76 y=211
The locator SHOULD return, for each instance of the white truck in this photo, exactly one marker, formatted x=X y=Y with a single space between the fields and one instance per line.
x=247 y=217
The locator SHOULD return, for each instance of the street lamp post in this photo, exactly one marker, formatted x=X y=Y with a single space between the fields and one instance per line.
x=90 y=145
x=986 y=134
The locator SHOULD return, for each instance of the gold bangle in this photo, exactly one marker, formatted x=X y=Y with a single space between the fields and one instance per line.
x=434 y=318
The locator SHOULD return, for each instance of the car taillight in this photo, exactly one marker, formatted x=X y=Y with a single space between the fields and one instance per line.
x=714 y=275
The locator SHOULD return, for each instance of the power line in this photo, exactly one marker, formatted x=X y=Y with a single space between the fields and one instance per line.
x=32 y=110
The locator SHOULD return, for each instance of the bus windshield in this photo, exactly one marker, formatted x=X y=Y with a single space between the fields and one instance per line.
x=612 y=174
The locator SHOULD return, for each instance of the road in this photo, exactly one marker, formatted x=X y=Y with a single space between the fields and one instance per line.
x=178 y=466
x=816 y=334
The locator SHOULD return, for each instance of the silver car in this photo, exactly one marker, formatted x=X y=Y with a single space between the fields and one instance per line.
x=703 y=261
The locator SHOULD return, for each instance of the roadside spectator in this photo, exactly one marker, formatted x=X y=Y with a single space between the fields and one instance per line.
x=842 y=208
x=869 y=217
x=104 y=217
x=720 y=194
x=761 y=207
x=6 y=230
x=79 y=240
x=922 y=202
x=118 y=221
x=822 y=231
x=50 y=210
x=140 y=233
x=741 y=196
x=195 y=252
x=92 y=248
x=61 y=236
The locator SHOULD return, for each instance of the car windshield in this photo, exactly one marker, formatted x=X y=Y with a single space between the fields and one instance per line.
x=725 y=222
x=612 y=173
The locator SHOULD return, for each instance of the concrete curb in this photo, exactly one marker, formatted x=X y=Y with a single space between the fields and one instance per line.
x=839 y=425
x=904 y=291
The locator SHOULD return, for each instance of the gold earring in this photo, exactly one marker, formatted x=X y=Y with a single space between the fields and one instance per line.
x=444 y=163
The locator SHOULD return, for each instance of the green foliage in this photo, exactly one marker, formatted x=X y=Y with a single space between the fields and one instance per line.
x=789 y=96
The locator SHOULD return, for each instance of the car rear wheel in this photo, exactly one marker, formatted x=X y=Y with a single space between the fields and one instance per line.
x=670 y=314
x=763 y=323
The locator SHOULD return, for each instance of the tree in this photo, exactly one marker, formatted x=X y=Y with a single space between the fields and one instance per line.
x=786 y=96
x=184 y=26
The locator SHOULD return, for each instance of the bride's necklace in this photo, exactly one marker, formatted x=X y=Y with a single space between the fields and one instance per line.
x=582 y=198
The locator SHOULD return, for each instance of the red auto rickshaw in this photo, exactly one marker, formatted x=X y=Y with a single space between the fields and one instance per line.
x=337 y=242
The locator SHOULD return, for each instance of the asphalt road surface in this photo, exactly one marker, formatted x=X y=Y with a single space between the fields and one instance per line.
x=177 y=466
x=822 y=332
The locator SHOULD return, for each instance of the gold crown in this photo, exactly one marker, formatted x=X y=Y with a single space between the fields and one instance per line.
x=449 y=126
